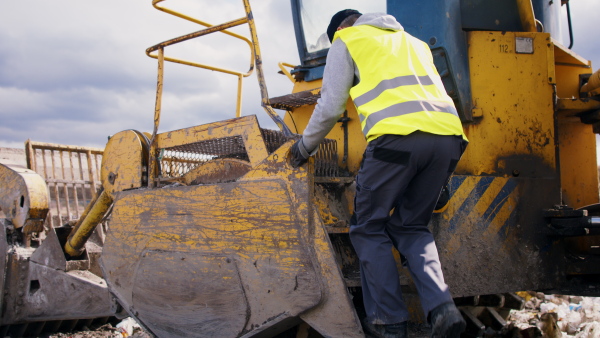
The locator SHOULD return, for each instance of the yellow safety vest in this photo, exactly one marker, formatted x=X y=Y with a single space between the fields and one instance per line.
x=400 y=90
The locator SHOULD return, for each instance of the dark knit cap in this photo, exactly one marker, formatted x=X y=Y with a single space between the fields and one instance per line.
x=337 y=19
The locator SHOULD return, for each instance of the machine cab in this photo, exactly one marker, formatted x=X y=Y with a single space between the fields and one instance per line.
x=311 y=18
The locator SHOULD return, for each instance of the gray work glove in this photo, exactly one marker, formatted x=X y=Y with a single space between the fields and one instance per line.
x=297 y=158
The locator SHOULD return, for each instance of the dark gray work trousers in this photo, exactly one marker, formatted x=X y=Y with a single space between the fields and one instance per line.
x=404 y=174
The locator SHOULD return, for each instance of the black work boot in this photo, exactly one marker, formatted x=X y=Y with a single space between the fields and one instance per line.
x=446 y=321
x=398 y=330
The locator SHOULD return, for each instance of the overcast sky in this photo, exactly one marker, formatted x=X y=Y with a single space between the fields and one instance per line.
x=74 y=71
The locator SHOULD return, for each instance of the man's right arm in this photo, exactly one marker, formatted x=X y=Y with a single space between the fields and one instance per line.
x=338 y=78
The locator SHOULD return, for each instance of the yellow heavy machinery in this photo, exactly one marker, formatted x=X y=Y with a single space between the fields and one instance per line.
x=43 y=290
x=211 y=231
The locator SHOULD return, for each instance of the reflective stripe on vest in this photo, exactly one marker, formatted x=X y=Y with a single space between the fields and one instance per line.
x=403 y=108
x=398 y=84
x=405 y=80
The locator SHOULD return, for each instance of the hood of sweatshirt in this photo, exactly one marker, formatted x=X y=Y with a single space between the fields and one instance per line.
x=379 y=20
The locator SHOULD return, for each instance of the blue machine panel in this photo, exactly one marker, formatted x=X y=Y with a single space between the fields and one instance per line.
x=439 y=23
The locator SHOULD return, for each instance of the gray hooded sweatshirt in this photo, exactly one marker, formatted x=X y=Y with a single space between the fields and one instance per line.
x=340 y=75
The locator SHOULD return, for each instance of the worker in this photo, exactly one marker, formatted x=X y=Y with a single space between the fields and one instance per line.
x=414 y=141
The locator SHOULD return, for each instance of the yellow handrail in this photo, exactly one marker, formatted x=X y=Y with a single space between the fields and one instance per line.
x=210 y=29
x=285 y=72
x=255 y=61
x=260 y=76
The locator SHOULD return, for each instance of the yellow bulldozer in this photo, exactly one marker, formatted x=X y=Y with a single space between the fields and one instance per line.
x=209 y=230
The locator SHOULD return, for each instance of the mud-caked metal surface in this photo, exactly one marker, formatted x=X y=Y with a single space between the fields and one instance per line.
x=40 y=285
x=39 y=288
x=244 y=256
x=492 y=237
x=23 y=197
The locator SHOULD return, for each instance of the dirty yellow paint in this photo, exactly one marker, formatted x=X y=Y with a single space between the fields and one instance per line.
x=576 y=141
x=23 y=197
x=526 y=15
x=263 y=228
x=568 y=66
x=475 y=213
x=122 y=163
x=459 y=197
x=86 y=224
x=264 y=235
x=345 y=323
x=265 y=223
x=512 y=92
x=578 y=163
x=247 y=127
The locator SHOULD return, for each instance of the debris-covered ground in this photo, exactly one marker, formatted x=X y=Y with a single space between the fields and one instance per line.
x=128 y=327
x=555 y=316
x=551 y=316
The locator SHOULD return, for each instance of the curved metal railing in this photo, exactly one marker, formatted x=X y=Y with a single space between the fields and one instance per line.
x=255 y=61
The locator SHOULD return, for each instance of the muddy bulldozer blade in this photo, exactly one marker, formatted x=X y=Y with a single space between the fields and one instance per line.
x=248 y=256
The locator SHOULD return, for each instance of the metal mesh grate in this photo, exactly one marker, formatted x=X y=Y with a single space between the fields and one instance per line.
x=177 y=161
x=295 y=100
x=326 y=160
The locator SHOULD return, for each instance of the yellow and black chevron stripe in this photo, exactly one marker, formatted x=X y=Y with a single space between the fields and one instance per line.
x=485 y=206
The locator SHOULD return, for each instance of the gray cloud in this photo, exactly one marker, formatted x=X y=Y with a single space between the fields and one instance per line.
x=75 y=72
x=584 y=15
